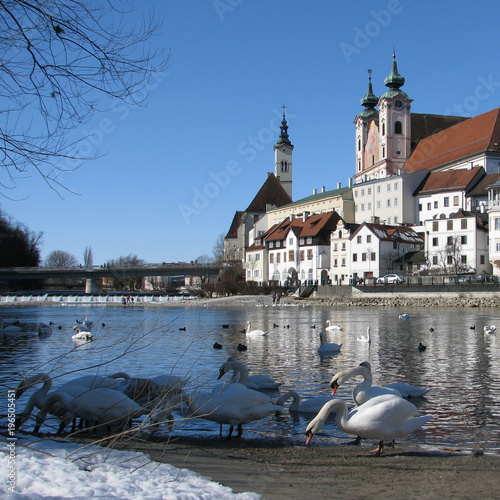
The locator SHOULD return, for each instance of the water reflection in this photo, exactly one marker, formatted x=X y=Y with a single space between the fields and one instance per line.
x=460 y=365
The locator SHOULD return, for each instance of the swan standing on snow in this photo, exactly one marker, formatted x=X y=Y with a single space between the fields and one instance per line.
x=312 y=405
x=383 y=420
x=332 y=327
x=364 y=390
x=365 y=338
x=253 y=333
x=329 y=348
x=241 y=375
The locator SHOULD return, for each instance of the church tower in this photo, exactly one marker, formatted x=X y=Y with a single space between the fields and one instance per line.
x=395 y=122
x=383 y=137
x=283 y=157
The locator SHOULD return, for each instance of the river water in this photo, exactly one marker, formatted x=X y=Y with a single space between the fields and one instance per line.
x=461 y=365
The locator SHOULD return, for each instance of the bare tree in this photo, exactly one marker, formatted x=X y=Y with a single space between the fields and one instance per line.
x=88 y=257
x=218 y=249
x=59 y=259
x=59 y=60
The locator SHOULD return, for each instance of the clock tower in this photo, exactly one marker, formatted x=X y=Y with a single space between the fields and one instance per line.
x=283 y=157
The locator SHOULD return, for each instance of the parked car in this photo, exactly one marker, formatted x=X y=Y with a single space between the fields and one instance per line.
x=390 y=279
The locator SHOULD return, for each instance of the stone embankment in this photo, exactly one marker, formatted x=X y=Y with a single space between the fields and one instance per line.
x=402 y=301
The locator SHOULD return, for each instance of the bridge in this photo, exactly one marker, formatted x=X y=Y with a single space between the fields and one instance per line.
x=94 y=273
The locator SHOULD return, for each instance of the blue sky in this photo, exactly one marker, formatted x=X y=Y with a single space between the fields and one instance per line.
x=172 y=173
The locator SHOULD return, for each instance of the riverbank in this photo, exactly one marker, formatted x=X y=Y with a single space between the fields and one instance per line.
x=278 y=469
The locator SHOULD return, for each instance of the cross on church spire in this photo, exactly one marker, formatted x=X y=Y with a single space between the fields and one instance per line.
x=283 y=108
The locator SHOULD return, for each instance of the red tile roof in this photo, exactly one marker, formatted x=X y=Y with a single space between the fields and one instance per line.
x=450 y=180
x=470 y=137
x=271 y=193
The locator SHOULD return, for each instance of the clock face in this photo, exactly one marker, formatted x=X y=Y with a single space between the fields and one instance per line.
x=398 y=104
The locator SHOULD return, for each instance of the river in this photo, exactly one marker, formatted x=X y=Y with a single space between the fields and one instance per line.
x=461 y=365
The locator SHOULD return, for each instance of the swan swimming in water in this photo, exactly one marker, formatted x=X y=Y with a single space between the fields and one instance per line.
x=489 y=329
x=403 y=316
x=383 y=420
x=329 y=348
x=365 y=338
x=241 y=375
x=312 y=405
x=364 y=390
x=82 y=335
x=253 y=333
x=332 y=327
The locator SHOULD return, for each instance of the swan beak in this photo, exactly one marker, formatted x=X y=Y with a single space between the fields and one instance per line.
x=221 y=373
x=334 y=387
x=309 y=435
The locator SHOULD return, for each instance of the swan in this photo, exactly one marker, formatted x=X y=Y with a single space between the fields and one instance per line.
x=489 y=329
x=403 y=316
x=328 y=348
x=381 y=420
x=364 y=390
x=240 y=375
x=408 y=390
x=8 y=328
x=312 y=405
x=332 y=327
x=169 y=383
x=96 y=406
x=82 y=335
x=232 y=406
x=44 y=330
x=365 y=338
x=253 y=333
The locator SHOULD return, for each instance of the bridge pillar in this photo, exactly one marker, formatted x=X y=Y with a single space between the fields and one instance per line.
x=93 y=285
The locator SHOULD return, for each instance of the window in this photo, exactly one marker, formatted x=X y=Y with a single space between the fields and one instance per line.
x=309 y=240
x=429 y=206
x=363 y=257
x=420 y=207
x=398 y=128
x=395 y=186
x=435 y=226
x=498 y=247
x=372 y=256
x=343 y=262
x=249 y=274
x=497 y=223
x=463 y=259
x=434 y=260
x=446 y=201
x=271 y=258
x=343 y=245
x=395 y=202
x=449 y=259
x=378 y=204
x=257 y=257
x=302 y=255
x=278 y=258
x=355 y=257
x=358 y=239
x=309 y=254
x=449 y=240
x=368 y=238
x=335 y=247
x=290 y=241
x=463 y=224
x=249 y=258
x=362 y=192
x=356 y=192
x=449 y=225
x=335 y=263
x=395 y=220
x=369 y=206
x=340 y=234
x=463 y=240
x=271 y=245
x=301 y=241
x=435 y=242
x=388 y=188
x=284 y=256
x=435 y=204
x=369 y=191
x=389 y=220
x=256 y=273
x=481 y=259
x=278 y=244
x=388 y=202
x=362 y=207
x=455 y=201
x=378 y=189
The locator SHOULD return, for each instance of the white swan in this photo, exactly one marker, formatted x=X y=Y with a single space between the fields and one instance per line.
x=489 y=329
x=403 y=316
x=44 y=330
x=95 y=406
x=329 y=348
x=332 y=327
x=312 y=405
x=233 y=405
x=408 y=390
x=365 y=338
x=253 y=333
x=82 y=335
x=169 y=383
x=364 y=390
x=381 y=420
x=241 y=375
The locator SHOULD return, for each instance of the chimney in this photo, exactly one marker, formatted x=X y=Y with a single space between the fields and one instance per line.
x=292 y=216
x=305 y=216
x=323 y=189
x=350 y=182
x=339 y=185
x=315 y=191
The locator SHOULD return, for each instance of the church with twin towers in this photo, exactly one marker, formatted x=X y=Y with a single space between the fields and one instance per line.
x=396 y=153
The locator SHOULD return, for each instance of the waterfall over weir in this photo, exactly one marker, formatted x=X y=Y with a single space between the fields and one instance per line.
x=59 y=298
